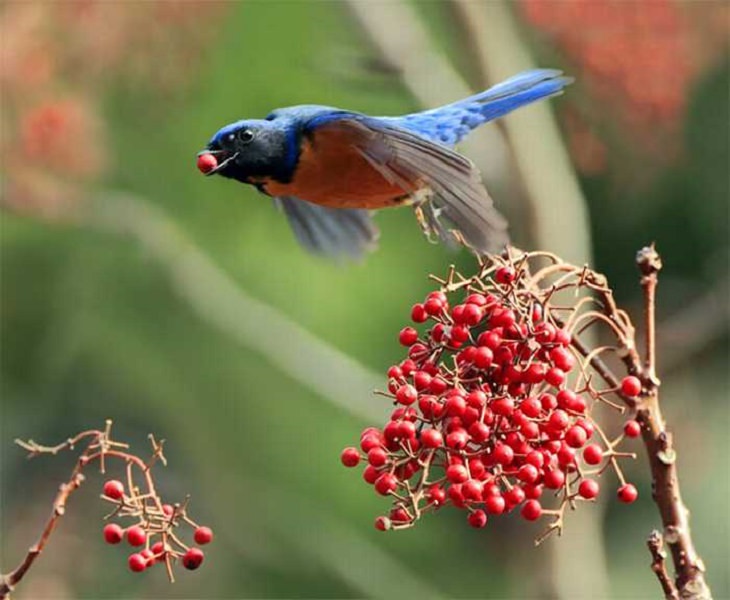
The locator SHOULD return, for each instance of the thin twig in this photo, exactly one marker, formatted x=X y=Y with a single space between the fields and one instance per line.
x=688 y=566
x=656 y=547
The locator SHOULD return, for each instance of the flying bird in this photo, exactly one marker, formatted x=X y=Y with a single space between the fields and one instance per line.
x=328 y=169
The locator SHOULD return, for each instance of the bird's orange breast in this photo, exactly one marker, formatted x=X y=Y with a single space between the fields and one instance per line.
x=332 y=172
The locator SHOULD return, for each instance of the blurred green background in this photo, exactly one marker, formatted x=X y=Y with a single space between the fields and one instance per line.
x=135 y=289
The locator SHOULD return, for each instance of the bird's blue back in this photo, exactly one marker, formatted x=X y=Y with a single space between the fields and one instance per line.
x=447 y=124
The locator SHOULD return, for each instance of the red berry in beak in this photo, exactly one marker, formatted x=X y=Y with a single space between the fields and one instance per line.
x=207 y=162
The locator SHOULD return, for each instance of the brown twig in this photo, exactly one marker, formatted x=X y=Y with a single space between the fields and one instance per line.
x=9 y=581
x=688 y=566
x=655 y=543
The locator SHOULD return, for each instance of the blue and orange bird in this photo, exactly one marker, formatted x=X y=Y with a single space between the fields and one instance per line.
x=329 y=168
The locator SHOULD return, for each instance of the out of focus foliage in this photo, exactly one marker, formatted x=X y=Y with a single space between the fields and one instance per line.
x=102 y=98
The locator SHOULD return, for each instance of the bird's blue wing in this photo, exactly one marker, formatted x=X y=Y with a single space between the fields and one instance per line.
x=449 y=124
x=456 y=195
x=332 y=232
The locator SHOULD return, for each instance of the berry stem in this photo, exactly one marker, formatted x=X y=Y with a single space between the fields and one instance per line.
x=688 y=566
x=655 y=543
x=9 y=581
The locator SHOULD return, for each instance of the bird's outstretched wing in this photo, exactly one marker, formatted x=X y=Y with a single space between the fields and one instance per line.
x=333 y=232
x=458 y=197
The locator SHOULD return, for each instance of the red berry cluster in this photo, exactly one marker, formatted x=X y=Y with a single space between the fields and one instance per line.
x=154 y=530
x=494 y=406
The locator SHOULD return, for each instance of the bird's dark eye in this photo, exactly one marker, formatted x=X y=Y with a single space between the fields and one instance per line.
x=245 y=136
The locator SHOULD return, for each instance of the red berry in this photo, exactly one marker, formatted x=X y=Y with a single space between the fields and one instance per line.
x=433 y=306
x=406 y=394
x=457 y=439
x=531 y=510
x=114 y=489
x=419 y=314
x=495 y=505
x=377 y=457
x=408 y=336
x=531 y=407
x=503 y=454
x=504 y=275
x=193 y=558
x=479 y=432
x=203 y=535
x=149 y=556
x=432 y=438
x=421 y=380
x=562 y=358
x=555 y=377
x=113 y=533
x=528 y=474
x=559 y=420
x=158 y=548
x=207 y=162
x=630 y=386
x=436 y=495
x=168 y=509
x=382 y=524
x=350 y=457
x=385 y=484
x=589 y=489
x=515 y=495
x=593 y=454
x=137 y=562
x=576 y=436
x=554 y=479
x=477 y=519
x=370 y=474
x=632 y=429
x=136 y=536
x=455 y=405
x=472 y=314
x=627 y=493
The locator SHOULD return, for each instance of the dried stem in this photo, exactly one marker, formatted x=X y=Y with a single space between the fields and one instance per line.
x=688 y=566
x=9 y=581
x=655 y=543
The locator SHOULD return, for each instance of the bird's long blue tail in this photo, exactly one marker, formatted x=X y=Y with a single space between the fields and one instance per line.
x=450 y=123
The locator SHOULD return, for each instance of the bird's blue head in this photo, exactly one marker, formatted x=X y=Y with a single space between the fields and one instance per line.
x=254 y=149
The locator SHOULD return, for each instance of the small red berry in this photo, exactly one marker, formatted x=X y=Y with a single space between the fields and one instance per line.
x=478 y=519
x=515 y=495
x=495 y=505
x=113 y=533
x=589 y=489
x=350 y=457
x=504 y=275
x=528 y=473
x=203 y=535
x=433 y=306
x=193 y=558
x=432 y=438
x=630 y=386
x=382 y=524
x=168 y=509
x=503 y=454
x=436 y=495
x=385 y=484
x=136 y=536
x=377 y=457
x=137 y=562
x=408 y=336
x=632 y=429
x=555 y=377
x=158 y=548
x=457 y=439
x=114 y=489
x=406 y=394
x=419 y=314
x=207 y=162
x=576 y=436
x=554 y=479
x=627 y=493
x=531 y=510
x=593 y=454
